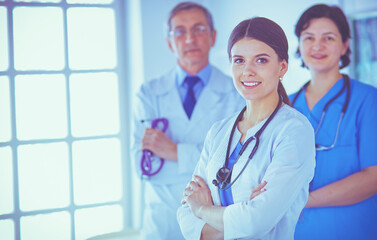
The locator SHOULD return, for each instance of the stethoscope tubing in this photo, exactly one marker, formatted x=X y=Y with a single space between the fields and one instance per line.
x=255 y=148
x=346 y=84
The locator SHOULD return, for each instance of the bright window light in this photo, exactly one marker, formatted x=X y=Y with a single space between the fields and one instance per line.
x=5 y=119
x=96 y=171
x=6 y=181
x=4 y=64
x=43 y=176
x=91 y=38
x=99 y=220
x=55 y=226
x=61 y=144
x=94 y=104
x=7 y=229
x=41 y=106
x=43 y=29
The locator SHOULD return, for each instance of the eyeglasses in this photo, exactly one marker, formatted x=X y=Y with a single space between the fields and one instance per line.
x=180 y=32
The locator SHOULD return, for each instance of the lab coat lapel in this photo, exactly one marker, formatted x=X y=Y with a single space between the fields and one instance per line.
x=210 y=98
x=220 y=154
x=168 y=96
x=205 y=105
x=173 y=106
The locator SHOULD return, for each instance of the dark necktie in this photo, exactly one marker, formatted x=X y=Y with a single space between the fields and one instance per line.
x=189 y=101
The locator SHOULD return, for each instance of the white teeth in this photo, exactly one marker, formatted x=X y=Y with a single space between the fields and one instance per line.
x=250 y=84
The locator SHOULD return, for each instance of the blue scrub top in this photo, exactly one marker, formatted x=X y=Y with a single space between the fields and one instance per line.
x=226 y=196
x=354 y=150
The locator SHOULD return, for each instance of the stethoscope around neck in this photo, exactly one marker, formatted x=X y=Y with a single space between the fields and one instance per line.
x=224 y=174
x=347 y=85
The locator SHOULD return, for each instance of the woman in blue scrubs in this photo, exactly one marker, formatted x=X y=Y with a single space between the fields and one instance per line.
x=342 y=201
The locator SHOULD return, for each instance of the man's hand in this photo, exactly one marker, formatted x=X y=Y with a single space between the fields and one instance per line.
x=157 y=142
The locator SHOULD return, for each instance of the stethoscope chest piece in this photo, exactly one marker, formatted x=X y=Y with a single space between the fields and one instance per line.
x=223 y=176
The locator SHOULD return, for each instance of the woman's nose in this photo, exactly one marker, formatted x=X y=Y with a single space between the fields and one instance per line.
x=248 y=70
x=317 y=45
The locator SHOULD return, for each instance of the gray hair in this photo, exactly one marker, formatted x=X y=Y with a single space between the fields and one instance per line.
x=183 y=6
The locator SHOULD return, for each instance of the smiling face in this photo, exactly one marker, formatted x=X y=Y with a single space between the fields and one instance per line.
x=256 y=69
x=191 y=50
x=321 y=46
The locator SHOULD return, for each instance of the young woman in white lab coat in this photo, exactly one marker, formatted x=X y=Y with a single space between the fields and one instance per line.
x=268 y=143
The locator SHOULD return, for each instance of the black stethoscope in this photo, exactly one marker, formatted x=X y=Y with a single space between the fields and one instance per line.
x=344 y=109
x=223 y=176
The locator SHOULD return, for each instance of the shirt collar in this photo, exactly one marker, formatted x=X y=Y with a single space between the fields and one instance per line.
x=203 y=74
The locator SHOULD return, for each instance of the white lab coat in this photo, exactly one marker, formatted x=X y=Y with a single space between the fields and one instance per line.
x=285 y=159
x=160 y=98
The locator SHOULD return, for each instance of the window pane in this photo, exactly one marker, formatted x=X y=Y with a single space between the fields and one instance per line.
x=43 y=176
x=5 y=119
x=38 y=38
x=94 y=104
x=3 y=39
x=7 y=229
x=96 y=171
x=46 y=227
x=91 y=38
x=90 y=1
x=100 y=220
x=41 y=106
x=6 y=181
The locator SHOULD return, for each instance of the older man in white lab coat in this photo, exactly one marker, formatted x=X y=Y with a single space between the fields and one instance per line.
x=212 y=97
